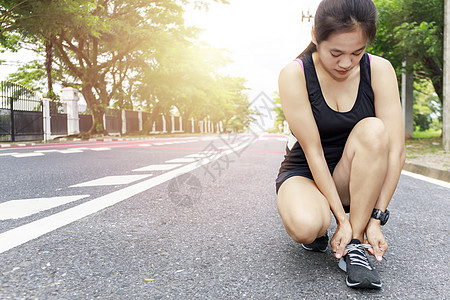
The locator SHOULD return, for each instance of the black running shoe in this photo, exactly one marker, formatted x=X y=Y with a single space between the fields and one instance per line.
x=360 y=273
x=319 y=245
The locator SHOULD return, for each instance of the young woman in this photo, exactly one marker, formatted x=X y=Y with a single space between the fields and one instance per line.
x=346 y=149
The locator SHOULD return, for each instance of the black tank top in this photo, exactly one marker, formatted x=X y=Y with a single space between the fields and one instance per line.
x=334 y=127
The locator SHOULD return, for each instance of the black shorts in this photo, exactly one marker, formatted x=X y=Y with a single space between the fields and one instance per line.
x=304 y=172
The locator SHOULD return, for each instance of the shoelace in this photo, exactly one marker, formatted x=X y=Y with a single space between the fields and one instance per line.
x=358 y=256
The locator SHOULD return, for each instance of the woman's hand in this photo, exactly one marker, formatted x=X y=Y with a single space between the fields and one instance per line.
x=376 y=239
x=341 y=238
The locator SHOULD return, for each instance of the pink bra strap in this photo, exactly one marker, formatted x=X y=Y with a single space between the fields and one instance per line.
x=370 y=58
x=301 y=63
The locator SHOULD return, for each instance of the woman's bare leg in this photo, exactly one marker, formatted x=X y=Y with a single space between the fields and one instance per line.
x=360 y=173
x=304 y=210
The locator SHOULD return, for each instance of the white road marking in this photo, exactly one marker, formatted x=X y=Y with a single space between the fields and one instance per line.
x=69 y=151
x=45 y=151
x=25 y=233
x=145 y=145
x=197 y=155
x=173 y=142
x=163 y=167
x=28 y=154
x=8 y=154
x=181 y=160
x=209 y=152
x=16 y=209
x=112 y=180
x=427 y=179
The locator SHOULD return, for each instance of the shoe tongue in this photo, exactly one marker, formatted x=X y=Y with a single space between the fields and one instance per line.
x=355 y=241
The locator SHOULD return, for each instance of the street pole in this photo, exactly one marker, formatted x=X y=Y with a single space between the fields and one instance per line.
x=446 y=83
x=307 y=15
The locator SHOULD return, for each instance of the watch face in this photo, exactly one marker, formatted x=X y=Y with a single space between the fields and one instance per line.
x=382 y=216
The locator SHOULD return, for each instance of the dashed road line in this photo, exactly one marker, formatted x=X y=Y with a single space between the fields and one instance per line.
x=16 y=209
x=70 y=151
x=20 y=155
x=112 y=180
x=182 y=160
x=45 y=151
x=100 y=149
x=25 y=233
x=157 y=167
x=197 y=155
x=8 y=154
x=64 y=151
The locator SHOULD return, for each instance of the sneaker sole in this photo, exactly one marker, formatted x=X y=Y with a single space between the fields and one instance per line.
x=363 y=285
x=315 y=249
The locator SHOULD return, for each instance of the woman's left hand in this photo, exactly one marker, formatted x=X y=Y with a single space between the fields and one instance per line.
x=376 y=239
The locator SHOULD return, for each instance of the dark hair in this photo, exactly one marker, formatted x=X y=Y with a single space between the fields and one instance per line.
x=336 y=16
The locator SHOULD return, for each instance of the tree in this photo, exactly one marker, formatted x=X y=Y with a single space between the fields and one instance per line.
x=279 y=111
x=116 y=50
x=426 y=105
x=101 y=43
x=412 y=29
x=31 y=75
x=101 y=60
x=38 y=21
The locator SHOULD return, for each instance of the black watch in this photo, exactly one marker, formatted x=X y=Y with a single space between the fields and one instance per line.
x=379 y=215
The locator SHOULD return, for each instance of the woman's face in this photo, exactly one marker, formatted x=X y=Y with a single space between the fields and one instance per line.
x=341 y=52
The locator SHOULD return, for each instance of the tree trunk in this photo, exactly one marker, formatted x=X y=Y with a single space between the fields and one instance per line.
x=97 y=111
x=48 y=67
x=148 y=123
x=437 y=77
x=186 y=122
x=168 y=119
x=97 y=121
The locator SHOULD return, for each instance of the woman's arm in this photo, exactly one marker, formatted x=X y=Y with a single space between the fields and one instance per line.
x=298 y=113
x=388 y=109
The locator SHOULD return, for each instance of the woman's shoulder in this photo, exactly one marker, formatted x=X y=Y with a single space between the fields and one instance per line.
x=293 y=71
x=383 y=75
x=379 y=65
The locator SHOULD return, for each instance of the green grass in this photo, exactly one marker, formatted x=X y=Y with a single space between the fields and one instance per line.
x=427 y=134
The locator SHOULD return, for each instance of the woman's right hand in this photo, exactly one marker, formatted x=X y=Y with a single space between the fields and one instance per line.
x=341 y=238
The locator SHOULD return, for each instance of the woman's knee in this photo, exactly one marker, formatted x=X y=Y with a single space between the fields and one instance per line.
x=304 y=210
x=372 y=134
x=306 y=232
x=305 y=228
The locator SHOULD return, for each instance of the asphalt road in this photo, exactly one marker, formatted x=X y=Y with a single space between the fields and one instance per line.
x=189 y=218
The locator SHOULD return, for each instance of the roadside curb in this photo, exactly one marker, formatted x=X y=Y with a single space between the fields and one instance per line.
x=427 y=171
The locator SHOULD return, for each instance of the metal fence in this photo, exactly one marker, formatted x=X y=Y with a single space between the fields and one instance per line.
x=20 y=113
x=22 y=118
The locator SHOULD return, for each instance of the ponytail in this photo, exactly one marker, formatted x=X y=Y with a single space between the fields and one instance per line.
x=309 y=50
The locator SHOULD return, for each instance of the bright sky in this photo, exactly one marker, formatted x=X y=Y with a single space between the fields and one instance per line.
x=262 y=37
